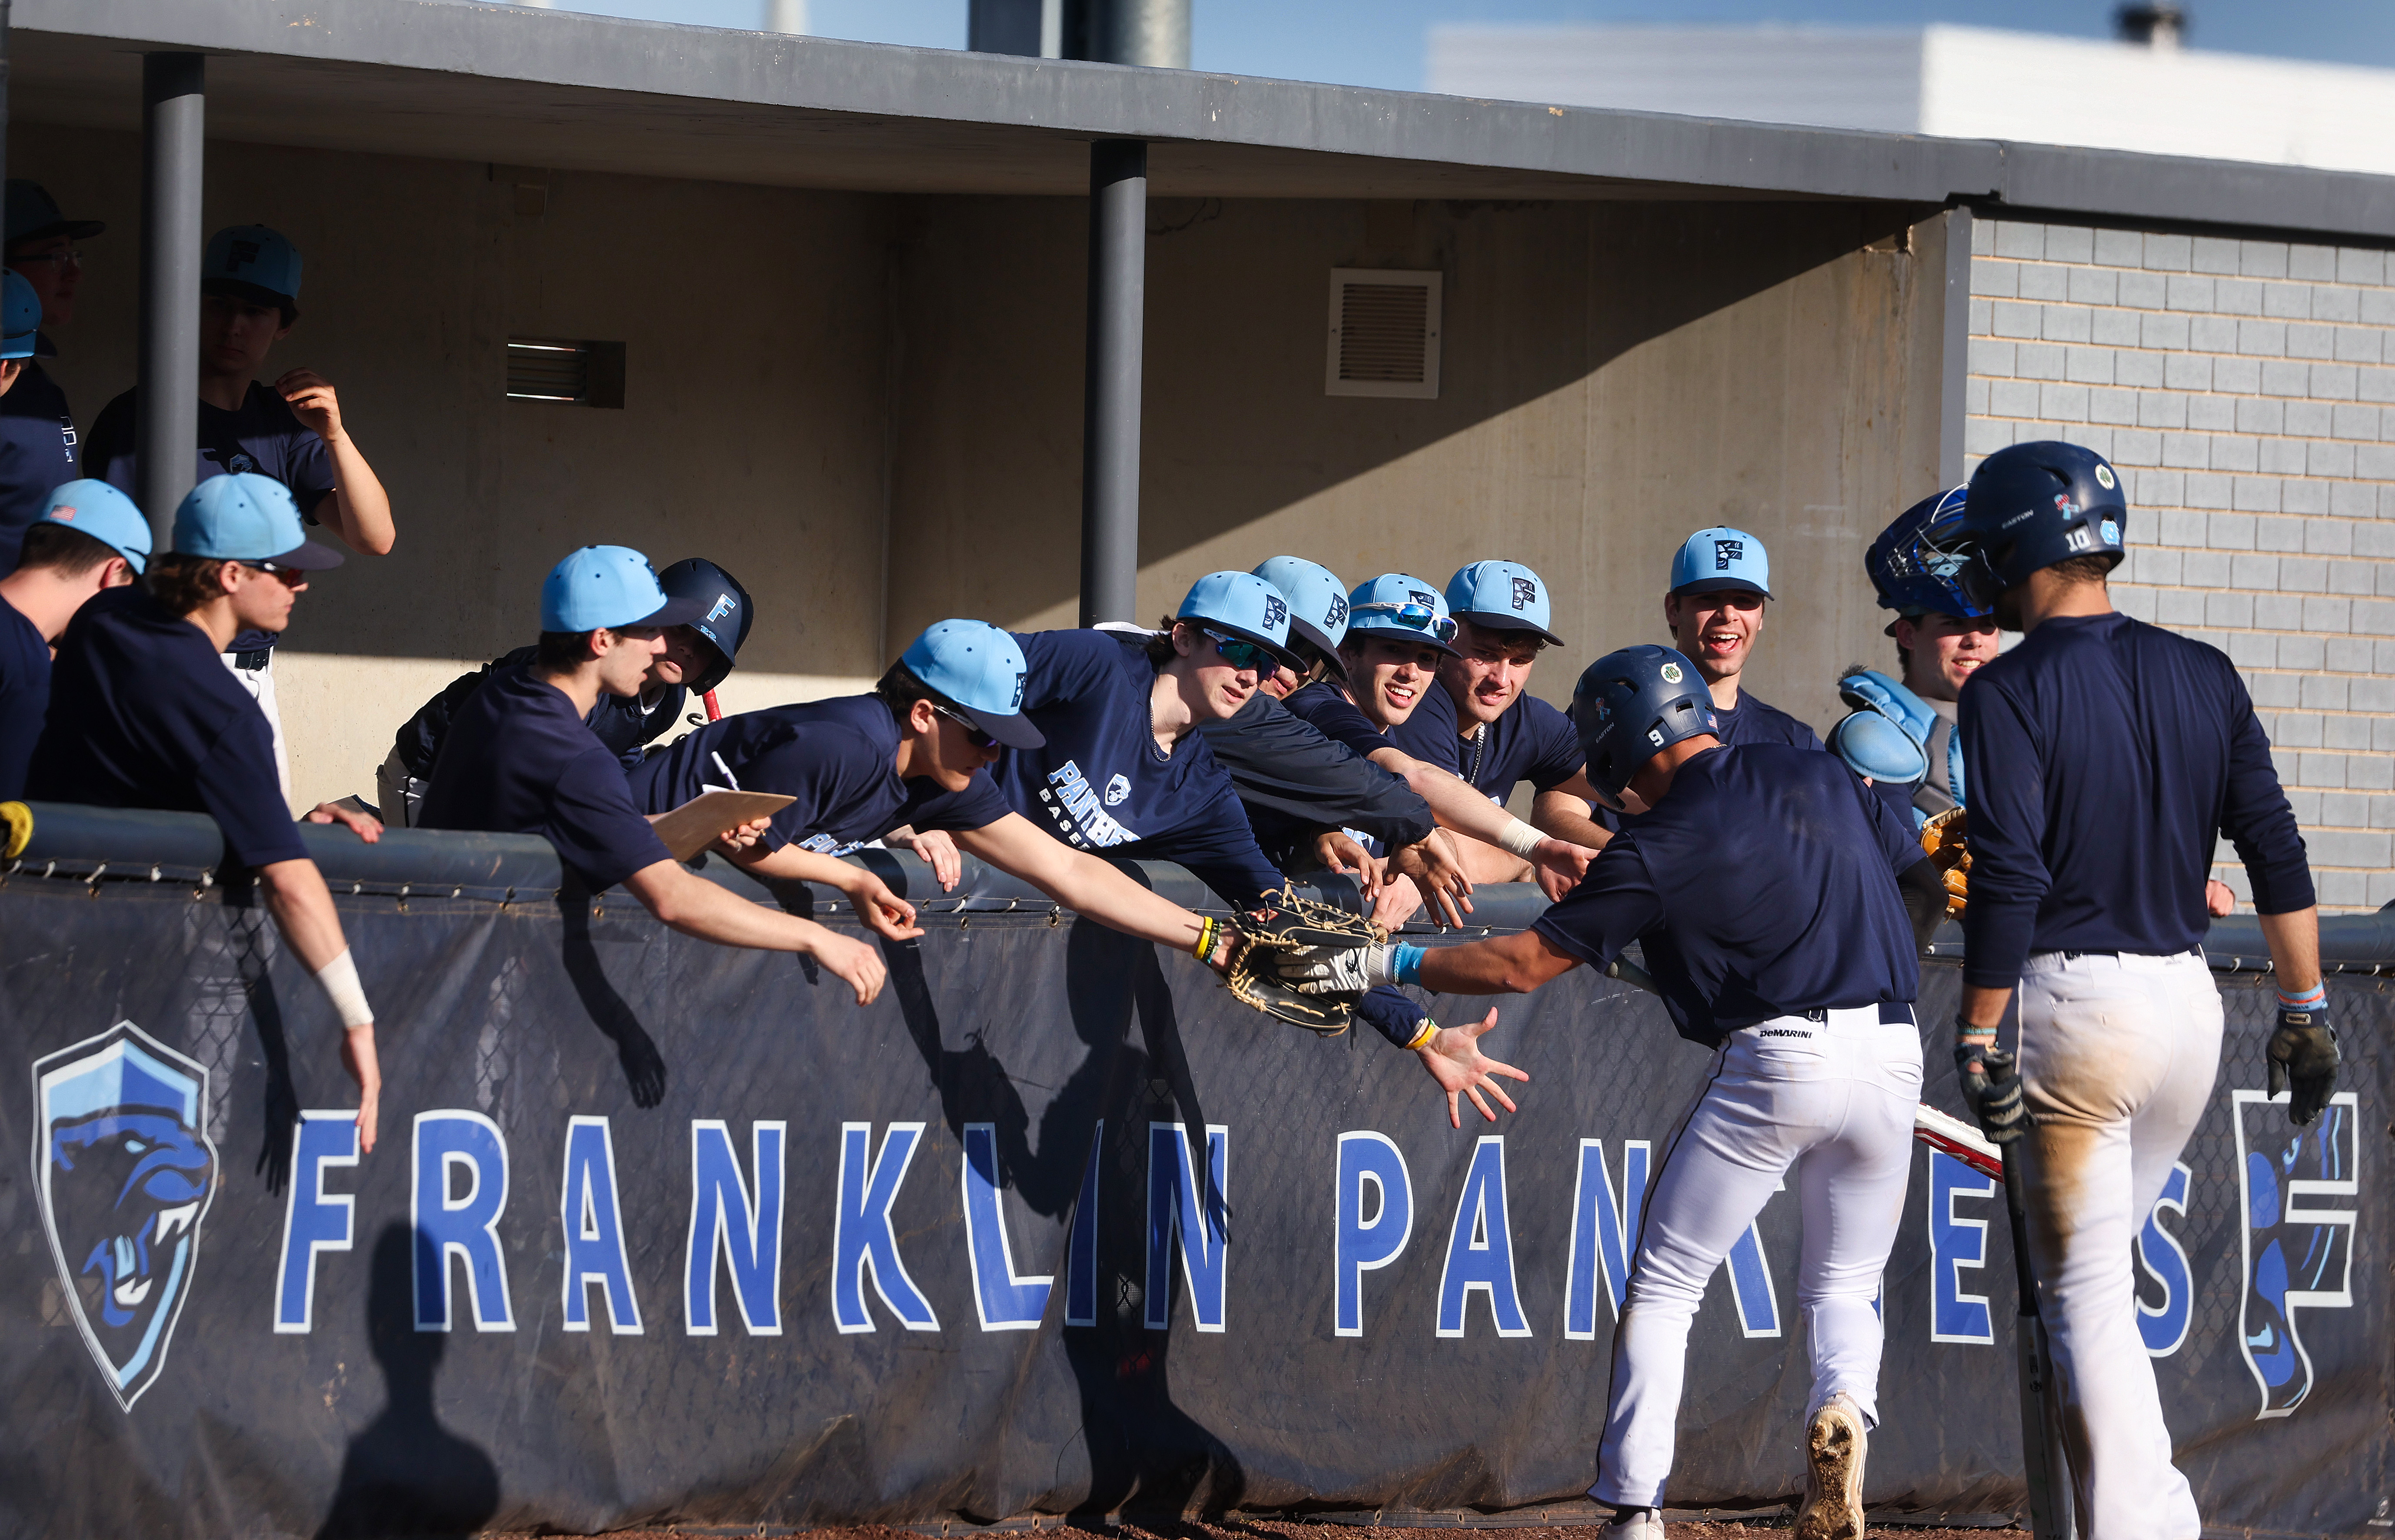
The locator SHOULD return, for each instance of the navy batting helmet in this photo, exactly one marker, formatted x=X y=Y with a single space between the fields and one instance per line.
x=1917 y=561
x=1632 y=705
x=2036 y=503
x=723 y=625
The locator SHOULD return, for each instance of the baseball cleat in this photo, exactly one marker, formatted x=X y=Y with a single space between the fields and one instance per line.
x=1834 y=1445
x=1638 y=1524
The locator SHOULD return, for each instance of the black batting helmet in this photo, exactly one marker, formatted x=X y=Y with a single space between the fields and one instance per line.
x=723 y=625
x=1632 y=705
x=2033 y=505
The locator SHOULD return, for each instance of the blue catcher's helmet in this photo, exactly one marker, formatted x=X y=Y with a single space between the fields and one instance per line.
x=1632 y=705
x=1917 y=561
x=2033 y=505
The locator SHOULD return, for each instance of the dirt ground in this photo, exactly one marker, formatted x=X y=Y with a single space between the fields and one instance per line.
x=1280 y=1529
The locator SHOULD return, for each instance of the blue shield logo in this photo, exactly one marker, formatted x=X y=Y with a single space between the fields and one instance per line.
x=125 y=1173
x=2299 y=1249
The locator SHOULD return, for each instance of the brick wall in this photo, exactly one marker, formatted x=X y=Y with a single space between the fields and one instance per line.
x=2246 y=388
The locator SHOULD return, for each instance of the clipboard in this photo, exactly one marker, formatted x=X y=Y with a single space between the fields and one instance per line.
x=695 y=825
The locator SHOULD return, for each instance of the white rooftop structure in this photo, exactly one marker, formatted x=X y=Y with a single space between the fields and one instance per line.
x=1957 y=82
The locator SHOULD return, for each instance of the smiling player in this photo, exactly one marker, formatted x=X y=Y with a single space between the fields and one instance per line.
x=1721 y=582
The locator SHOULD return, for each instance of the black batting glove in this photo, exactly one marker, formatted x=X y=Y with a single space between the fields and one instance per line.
x=2303 y=1050
x=1992 y=1088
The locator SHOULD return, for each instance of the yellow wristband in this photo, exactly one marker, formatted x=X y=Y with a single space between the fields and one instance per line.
x=1208 y=933
x=1429 y=1031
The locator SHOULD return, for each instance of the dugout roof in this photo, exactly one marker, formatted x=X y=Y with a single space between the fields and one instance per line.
x=520 y=85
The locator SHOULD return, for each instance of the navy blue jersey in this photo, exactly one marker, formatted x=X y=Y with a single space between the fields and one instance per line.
x=1765 y=885
x=622 y=722
x=265 y=436
x=519 y=762
x=1529 y=741
x=38 y=455
x=1757 y=721
x=1101 y=784
x=1293 y=781
x=144 y=714
x=24 y=696
x=837 y=758
x=2105 y=756
x=1335 y=716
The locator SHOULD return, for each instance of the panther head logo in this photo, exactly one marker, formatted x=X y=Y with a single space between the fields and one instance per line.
x=126 y=1173
x=1525 y=593
x=2299 y=1188
x=1117 y=791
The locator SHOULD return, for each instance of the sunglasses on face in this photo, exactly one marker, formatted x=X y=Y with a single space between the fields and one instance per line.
x=973 y=733
x=292 y=576
x=1246 y=656
x=1416 y=617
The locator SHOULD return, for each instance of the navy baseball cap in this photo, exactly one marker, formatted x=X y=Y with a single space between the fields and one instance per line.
x=254 y=263
x=1403 y=608
x=1721 y=557
x=979 y=669
x=246 y=516
x=107 y=515
x=1245 y=606
x=1318 y=604
x=1503 y=596
x=612 y=586
x=32 y=214
x=21 y=316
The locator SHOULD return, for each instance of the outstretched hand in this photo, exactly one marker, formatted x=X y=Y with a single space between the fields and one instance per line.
x=883 y=911
x=1337 y=851
x=1558 y=865
x=855 y=964
x=357 y=1057
x=364 y=826
x=1454 y=1060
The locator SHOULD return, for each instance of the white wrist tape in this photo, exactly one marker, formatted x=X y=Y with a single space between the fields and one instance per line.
x=1519 y=837
x=339 y=978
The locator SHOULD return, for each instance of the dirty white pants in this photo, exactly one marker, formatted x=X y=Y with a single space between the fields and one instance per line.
x=259 y=682
x=2118 y=1055
x=1833 y=1099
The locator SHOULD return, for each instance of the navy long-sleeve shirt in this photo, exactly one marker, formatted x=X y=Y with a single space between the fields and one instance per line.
x=2105 y=756
x=1293 y=781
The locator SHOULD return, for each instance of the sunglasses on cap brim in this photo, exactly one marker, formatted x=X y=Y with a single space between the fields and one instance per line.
x=1415 y=617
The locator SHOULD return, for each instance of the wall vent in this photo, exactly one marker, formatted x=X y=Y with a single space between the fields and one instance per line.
x=1383 y=334
x=575 y=373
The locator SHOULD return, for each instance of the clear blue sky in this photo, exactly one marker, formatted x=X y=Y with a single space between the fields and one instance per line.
x=1381 y=41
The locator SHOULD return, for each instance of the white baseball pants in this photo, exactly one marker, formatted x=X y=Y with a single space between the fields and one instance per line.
x=2118 y=1055
x=1833 y=1099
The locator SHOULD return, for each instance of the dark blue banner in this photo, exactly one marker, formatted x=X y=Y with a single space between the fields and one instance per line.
x=659 y=1230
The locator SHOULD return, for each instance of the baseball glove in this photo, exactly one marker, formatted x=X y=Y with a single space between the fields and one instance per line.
x=1296 y=929
x=1945 y=839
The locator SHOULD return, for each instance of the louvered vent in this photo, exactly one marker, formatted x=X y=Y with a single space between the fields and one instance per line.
x=575 y=373
x=1383 y=334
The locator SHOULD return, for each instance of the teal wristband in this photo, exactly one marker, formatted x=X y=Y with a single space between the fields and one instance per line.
x=1405 y=965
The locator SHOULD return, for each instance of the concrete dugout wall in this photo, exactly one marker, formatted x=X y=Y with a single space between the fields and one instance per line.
x=868 y=405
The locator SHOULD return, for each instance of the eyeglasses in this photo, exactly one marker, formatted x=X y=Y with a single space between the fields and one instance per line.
x=973 y=732
x=1416 y=617
x=67 y=259
x=1242 y=654
x=292 y=576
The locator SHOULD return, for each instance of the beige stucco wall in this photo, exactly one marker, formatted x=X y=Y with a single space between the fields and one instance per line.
x=1614 y=376
x=824 y=388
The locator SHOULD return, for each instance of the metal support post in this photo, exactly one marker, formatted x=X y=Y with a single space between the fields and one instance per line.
x=167 y=425
x=1110 y=392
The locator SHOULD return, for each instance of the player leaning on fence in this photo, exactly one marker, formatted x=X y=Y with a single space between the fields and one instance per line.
x=519 y=759
x=2105 y=756
x=143 y=715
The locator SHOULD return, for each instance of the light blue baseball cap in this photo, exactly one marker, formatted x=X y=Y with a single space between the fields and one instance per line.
x=21 y=316
x=612 y=586
x=980 y=669
x=252 y=262
x=1318 y=604
x=107 y=515
x=246 y=516
x=1503 y=596
x=1721 y=557
x=1404 y=608
x=1245 y=606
